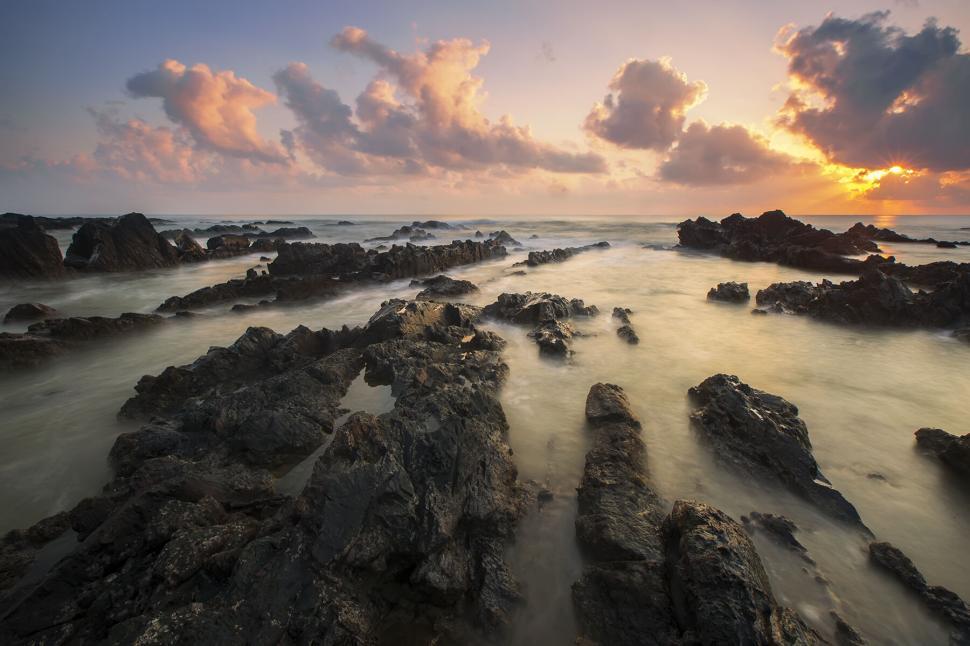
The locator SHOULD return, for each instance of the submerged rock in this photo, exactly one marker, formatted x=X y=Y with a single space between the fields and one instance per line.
x=690 y=576
x=188 y=249
x=503 y=238
x=954 y=451
x=129 y=244
x=779 y=529
x=30 y=312
x=55 y=336
x=402 y=525
x=537 y=258
x=443 y=286
x=628 y=334
x=622 y=314
x=26 y=251
x=548 y=313
x=761 y=435
x=940 y=600
x=729 y=293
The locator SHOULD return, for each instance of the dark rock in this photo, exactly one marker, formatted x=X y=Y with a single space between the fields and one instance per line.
x=940 y=600
x=537 y=258
x=479 y=234
x=265 y=258
x=553 y=337
x=443 y=286
x=404 y=521
x=412 y=233
x=503 y=238
x=534 y=237
x=779 y=529
x=547 y=313
x=846 y=635
x=946 y=245
x=622 y=314
x=30 y=312
x=729 y=293
x=26 y=251
x=283 y=233
x=692 y=576
x=50 y=224
x=434 y=224
x=130 y=244
x=244 y=229
x=954 y=451
x=872 y=232
x=628 y=334
x=761 y=435
x=188 y=249
x=228 y=241
x=55 y=336
x=962 y=334
x=345 y=223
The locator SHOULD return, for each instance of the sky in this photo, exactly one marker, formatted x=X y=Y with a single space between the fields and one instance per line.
x=500 y=108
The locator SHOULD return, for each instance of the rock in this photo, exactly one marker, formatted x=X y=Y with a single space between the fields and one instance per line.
x=940 y=600
x=245 y=229
x=962 y=334
x=872 y=232
x=537 y=258
x=345 y=223
x=692 y=576
x=434 y=224
x=534 y=237
x=229 y=242
x=547 y=313
x=729 y=293
x=761 y=435
x=443 y=286
x=55 y=336
x=50 y=224
x=954 y=451
x=479 y=234
x=846 y=635
x=553 y=337
x=779 y=529
x=403 y=522
x=30 y=312
x=946 y=245
x=283 y=233
x=188 y=249
x=264 y=259
x=875 y=299
x=503 y=238
x=130 y=244
x=622 y=314
x=412 y=233
x=775 y=237
x=26 y=251
x=628 y=334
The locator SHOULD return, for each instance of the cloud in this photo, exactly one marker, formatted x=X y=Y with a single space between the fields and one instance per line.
x=437 y=121
x=926 y=188
x=216 y=108
x=134 y=150
x=646 y=107
x=869 y=95
x=724 y=154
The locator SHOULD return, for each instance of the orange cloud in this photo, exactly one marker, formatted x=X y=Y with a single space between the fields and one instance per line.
x=216 y=108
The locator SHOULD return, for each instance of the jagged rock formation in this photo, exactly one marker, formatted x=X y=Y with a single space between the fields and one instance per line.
x=730 y=292
x=26 y=251
x=313 y=270
x=129 y=244
x=400 y=530
x=55 y=336
x=690 y=576
x=30 y=312
x=537 y=258
x=761 y=435
x=952 y=450
x=547 y=313
x=443 y=287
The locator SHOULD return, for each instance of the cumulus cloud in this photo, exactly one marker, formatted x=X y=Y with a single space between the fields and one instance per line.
x=215 y=107
x=927 y=187
x=871 y=95
x=724 y=154
x=422 y=110
x=135 y=150
x=646 y=106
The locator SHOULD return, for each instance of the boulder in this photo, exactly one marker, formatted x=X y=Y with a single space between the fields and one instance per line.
x=729 y=293
x=622 y=314
x=129 y=244
x=228 y=241
x=628 y=334
x=26 y=251
x=547 y=313
x=537 y=258
x=760 y=435
x=443 y=287
x=952 y=450
x=30 y=312
x=189 y=250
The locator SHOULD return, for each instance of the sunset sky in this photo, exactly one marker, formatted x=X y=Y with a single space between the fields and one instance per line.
x=494 y=108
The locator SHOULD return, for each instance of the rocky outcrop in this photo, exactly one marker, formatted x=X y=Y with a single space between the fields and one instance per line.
x=413 y=233
x=189 y=250
x=30 y=312
x=537 y=258
x=952 y=450
x=779 y=529
x=26 y=251
x=443 y=287
x=547 y=313
x=729 y=293
x=938 y=599
x=228 y=241
x=56 y=336
x=875 y=299
x=690 y=576
x=761 y=435
x=129 y=244
x=872 y=232
x=625 y=331
x=775 y=237
x=303 y=271
x=402 y=525
x=503 y=238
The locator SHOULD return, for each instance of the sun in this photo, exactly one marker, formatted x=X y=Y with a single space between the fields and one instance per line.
x=859 y=181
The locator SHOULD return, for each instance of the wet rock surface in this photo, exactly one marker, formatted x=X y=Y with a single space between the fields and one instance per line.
x=537 y=258
x=30 y=312
x=27 y=251
x=759 y=434
x=443 y=287
x=129 y=244
x=55 y=336
x=549 y=315
x=303 y=271
x=730 y=292
x=399 y=533
x=938 y=599
x=780 y=529
x=625 y=331
x=952 y=450
x=690 y=576
x=876 y=299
